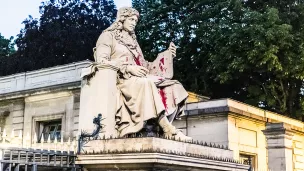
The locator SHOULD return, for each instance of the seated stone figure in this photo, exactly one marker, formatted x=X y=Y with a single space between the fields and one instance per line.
x=145 y=89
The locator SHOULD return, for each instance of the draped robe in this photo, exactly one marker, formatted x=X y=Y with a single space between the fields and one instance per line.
x=139 y=98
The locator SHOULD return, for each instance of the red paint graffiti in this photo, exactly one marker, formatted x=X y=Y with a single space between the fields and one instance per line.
x=161 y=63
x=163 y=97
x=162 y=60
x=137 y=60
x=161 y=67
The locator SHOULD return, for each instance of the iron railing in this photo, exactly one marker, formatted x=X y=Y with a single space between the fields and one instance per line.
x=24 y=159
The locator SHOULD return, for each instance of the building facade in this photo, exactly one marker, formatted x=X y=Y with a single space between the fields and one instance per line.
x=44 y=104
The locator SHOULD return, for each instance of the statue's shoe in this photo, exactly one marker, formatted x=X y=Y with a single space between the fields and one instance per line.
x=173 y=133
x=182 y=137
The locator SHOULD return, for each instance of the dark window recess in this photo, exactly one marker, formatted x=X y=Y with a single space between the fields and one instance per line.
x=50 y=128
x=249 y=160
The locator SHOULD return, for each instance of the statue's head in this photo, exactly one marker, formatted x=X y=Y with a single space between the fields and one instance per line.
x=127 y=18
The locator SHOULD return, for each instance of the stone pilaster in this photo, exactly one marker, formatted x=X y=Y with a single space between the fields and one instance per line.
x=279 y=146
x=99 y=96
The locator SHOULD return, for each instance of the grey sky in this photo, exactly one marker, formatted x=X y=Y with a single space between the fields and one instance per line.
x=13 y=12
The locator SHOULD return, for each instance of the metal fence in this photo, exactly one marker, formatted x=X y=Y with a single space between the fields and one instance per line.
x=30 y=159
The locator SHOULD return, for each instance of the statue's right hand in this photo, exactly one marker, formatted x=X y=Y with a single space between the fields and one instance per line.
x=138 y=71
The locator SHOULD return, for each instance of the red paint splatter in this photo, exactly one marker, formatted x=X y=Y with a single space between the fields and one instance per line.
x=163 y=97
x=161 y=67
x=161 y=63
x=137 y=61
x=162 y=60
x=127 y=59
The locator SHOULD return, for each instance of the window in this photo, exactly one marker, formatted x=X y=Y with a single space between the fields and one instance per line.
x=3 y=116
x=49 y=128
x=249 y=160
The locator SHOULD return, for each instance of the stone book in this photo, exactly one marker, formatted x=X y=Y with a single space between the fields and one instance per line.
x=162 y=66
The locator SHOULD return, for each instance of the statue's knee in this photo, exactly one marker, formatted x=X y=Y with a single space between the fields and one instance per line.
x=144 y=81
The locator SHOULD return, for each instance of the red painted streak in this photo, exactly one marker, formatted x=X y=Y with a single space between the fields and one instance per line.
x=137 y=61
x=161 y=63
x=162 y=60
x=161 y=67
x=163 y=97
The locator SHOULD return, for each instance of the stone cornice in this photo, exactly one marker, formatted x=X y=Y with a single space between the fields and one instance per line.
x=240 y=109
x=42 y=78
x=39 y=91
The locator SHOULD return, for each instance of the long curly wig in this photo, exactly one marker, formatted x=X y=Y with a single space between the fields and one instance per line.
x=122 y=14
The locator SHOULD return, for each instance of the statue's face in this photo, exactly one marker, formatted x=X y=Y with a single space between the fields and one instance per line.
x=130 y=23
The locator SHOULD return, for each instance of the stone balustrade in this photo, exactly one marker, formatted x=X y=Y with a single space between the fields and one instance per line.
x=43 y=78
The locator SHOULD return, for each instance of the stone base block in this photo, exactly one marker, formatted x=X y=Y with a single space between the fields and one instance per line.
x=154 y=162
x=143 y=154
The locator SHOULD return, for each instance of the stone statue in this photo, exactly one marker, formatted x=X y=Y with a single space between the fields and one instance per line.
x=145 y=89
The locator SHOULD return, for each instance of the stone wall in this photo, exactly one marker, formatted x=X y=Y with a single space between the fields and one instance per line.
x=241 y=135
x=23 y=114
x=50 y=107
x=211 y=129
x=12 y=115
x=246 y=137
x=298 y=158
x=42 y=95
x=54 y=93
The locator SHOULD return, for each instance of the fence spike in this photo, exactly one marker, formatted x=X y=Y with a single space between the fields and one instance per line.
x=55 y=143
x=28 y=140
x=41 y=142
x=49 y=142
x=74 y=145
x=69 y=144
x=35 y=140
x=20 y=138
x=61 y=144
x=13 y=134
x=4 y=135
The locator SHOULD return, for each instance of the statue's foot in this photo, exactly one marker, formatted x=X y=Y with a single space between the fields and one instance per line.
x=173 y=133
x=182 y=137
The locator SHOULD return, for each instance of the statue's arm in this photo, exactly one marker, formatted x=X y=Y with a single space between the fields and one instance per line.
x=103 y=48
x=103 y=52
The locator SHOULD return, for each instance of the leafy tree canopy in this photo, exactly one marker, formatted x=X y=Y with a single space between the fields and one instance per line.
x=66 y=32
x=6 y=46
x=6 y=51
x=252 y=51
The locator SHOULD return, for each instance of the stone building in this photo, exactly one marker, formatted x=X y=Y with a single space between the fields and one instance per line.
x=46 y=102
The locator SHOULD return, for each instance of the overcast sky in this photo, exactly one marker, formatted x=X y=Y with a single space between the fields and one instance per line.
x=13 y=12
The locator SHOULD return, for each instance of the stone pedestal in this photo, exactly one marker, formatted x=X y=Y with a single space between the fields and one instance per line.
x=149 y=154
x=279 y=145
x=98 y=96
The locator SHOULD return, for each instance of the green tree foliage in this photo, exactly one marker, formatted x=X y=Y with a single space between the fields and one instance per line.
x=66 y=32
x=6 y=51
x=6 y=47
x=252 y=51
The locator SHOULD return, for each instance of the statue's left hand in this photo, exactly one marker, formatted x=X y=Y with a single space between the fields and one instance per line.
x=172 y=49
